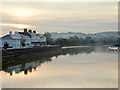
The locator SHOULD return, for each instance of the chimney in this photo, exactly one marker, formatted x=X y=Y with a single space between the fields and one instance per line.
x=25 y=30
x=34 y=32
x=10 y=33
x=30 y=31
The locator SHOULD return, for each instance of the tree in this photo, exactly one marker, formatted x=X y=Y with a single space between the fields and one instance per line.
x=6 y=45
x=89 y=41
x=49 y=39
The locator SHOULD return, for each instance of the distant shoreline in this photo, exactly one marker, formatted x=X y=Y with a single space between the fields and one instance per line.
x=74 y=46
x=83 y=46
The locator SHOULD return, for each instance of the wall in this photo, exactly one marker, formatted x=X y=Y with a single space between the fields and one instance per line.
x=15 y=43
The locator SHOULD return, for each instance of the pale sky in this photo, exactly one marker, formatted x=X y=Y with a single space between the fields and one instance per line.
x=88 y=17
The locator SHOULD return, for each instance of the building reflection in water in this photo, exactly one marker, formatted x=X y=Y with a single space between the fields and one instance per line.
x=26 y=67
x=32 y=65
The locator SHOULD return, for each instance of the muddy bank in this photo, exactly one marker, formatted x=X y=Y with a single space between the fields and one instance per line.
x=14 y=57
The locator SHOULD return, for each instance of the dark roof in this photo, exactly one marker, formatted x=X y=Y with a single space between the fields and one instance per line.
x=25 y=33
x=21 y=32
x=7 y=37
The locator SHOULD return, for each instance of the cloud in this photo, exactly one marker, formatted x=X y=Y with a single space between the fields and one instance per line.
x=62 y=16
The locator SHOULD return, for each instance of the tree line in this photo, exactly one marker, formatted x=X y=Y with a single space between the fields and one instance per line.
x=77 y=41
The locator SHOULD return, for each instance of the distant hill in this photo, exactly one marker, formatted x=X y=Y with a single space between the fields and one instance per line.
x=56 y=35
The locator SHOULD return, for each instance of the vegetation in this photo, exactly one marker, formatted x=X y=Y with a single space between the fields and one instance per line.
x=6 y=45
x=49 y=40
x=77 y=41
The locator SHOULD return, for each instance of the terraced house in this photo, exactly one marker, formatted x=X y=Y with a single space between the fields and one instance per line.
x=26 y=39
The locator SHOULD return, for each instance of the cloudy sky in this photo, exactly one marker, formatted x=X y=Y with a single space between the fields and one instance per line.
x=88 y=17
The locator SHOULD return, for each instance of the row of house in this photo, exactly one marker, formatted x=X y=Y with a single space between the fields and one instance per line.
x=25 y=39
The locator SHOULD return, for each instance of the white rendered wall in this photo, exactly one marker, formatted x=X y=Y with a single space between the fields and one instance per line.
x=14 y=43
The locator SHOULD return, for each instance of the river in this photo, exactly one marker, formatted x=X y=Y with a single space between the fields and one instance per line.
x=75 y=67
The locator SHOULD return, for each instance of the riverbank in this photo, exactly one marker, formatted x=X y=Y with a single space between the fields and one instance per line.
x=74 y=47
x=28 y=53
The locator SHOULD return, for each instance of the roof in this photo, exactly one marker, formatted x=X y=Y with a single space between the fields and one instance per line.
x=14 y=37
x=27 y=34
x=21 y=32
x=7 y=37
x=32 y=34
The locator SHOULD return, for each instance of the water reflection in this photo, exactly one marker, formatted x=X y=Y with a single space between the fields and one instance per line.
x=27 y=65
x=28 y=62
x=80 y=50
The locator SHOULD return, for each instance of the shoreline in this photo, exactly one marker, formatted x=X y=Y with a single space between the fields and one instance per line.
x=8 y=55
x=85 y=46
x=74 y=47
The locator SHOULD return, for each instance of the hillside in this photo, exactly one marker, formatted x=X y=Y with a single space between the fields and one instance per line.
x=56 y=35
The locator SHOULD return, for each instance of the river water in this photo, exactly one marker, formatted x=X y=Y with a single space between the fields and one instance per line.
x=75 y=67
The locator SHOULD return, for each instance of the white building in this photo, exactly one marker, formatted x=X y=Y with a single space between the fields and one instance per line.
x=13 y=41
x=36 y=39
x=24 y=39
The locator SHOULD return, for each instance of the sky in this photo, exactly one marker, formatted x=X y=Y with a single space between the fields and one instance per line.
x=86 y=17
